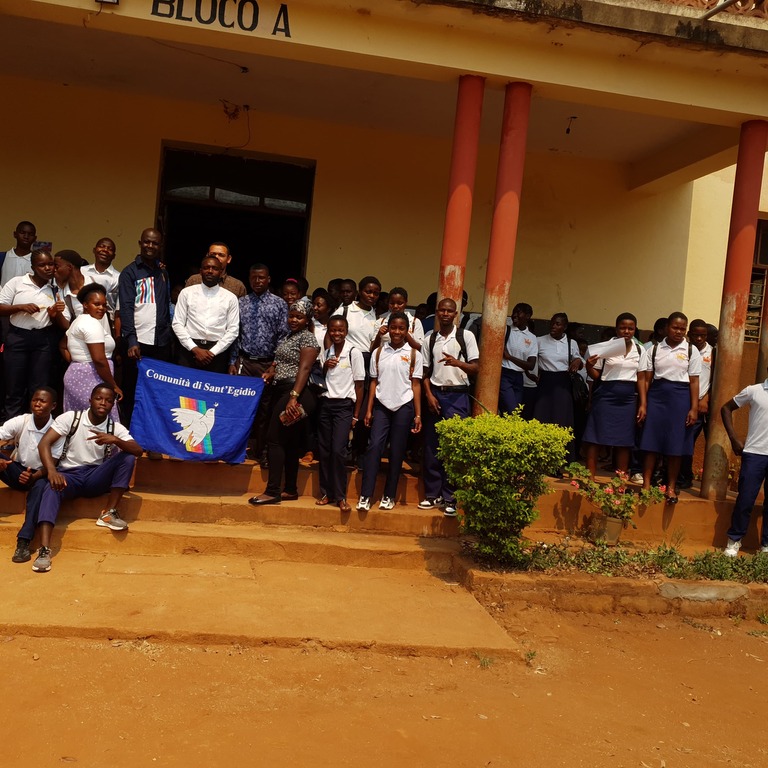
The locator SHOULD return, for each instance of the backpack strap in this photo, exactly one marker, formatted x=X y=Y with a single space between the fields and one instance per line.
x=72 y=430
x=110 y=431
x=345 y=311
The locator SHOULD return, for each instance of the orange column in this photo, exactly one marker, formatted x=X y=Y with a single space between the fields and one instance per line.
x=501 y=254
x=458 y=214
x=733 y=309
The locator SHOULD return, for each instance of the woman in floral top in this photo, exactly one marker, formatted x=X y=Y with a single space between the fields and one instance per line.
x=288 y=375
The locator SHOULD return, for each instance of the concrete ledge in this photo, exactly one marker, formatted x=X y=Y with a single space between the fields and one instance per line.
x=609 y=595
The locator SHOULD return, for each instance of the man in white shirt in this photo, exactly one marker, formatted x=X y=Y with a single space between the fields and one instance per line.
x=754 y=463
x=17 y=261
x=23 y=471
x=446 y=389
x=103 y=273
x=206 y=320
x=32 y=306
x=521 y=351
x=90 y=465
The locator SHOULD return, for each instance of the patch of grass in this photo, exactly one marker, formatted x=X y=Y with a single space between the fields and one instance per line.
x=530 y=657
x=763 y=617
x=484 y=662
x=758 y=632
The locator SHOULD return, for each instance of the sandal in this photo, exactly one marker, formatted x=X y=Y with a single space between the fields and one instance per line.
x=671 y=499
x=344 y=506
x=322 y=501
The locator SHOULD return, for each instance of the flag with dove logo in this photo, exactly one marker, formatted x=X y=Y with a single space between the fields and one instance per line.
x=194 y=415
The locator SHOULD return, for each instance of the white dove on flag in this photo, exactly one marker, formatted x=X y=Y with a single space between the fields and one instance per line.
x=195 y=425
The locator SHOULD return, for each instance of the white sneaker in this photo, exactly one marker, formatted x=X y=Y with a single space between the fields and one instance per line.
x=431 y=503
x=364 y=504
x=732 y=548
x=636 y=479
x=386 y=503
x=449 y=510
x=763 y=550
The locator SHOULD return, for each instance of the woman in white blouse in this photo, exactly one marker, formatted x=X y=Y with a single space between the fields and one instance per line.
x=88 y=347
x=618 y=400
x=558 y=358
x=673 y=367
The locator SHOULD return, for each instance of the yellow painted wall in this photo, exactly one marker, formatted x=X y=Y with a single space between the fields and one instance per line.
x=587 y=246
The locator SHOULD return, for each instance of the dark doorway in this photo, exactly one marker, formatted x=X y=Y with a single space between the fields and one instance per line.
x=259 y=207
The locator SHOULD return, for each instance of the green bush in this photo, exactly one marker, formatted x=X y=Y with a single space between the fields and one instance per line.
x=498 y=465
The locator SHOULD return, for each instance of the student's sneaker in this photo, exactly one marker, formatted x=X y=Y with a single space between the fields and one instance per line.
x=732 y=548
x=431 y=503
x=364 y=504
x=636 y=479
x=387 y=503
x=763 y=550
x=22 y=553
x=42 y=561
x=449 y=510
x=110 y=518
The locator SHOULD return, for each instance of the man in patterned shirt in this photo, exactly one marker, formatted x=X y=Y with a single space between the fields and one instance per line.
x=263 y=325
x=145 y=317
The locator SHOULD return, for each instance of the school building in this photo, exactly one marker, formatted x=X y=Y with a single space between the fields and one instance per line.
x=579 y=155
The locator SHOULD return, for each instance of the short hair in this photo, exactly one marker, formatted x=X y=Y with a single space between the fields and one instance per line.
x=258 y=267
x=367 y=280
x=398 y=316
x=25 y=224
x=72 y=257
x=337 y=281
x=398 y=291
x=209 y=258
x=218 y=242
x=561 y=316
x=339 y=319
x=321 y=293
x=698 y=323
x=303 y=284
x=50 y=391
x=677 y=316
x=527 y=308
x=625 y=316
x=88 y=289
x=348 y=281
x=453 y=302
x=660 y=324
x=102 y=239
x=102 y=385
x=37 y=253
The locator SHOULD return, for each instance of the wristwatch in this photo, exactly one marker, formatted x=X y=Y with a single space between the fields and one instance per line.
x=294 y=393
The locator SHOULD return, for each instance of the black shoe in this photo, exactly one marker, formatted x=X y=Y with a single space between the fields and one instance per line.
x=258 y=502
x=22 y=553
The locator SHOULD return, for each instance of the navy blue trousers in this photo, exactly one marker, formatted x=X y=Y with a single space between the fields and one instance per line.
x=332 y=436
x=34 y=491
x=435 y=481
x=511 y=389
x=754 y=473
x=394 y=426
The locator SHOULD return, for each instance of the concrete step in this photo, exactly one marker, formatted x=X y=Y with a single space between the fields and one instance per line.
x=231 y=599
x=251 y=540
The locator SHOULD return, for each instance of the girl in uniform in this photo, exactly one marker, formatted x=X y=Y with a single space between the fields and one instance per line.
x=673 y=367
x=558 y=357
x=339 y=409
x=398 y=301
x=618 y=404
x=393 y=410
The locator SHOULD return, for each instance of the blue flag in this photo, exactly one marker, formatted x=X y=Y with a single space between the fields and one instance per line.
x=192 y=414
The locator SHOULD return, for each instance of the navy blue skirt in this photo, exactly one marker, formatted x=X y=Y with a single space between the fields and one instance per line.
x=664 y=431
x=554 y=404
x=611 y=421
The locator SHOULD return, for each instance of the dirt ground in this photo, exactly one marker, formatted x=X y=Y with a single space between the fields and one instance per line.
x=590 y=691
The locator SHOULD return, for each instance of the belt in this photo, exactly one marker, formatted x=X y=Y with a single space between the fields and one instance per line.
x=458 y=388
x=256 y=359
x=203 y=344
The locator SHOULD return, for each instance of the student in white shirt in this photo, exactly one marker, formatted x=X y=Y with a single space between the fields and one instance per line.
x=558 y=358
x=618 y=398
x=521 y=351
x=206 y=321
x=98 y=457
x=18 y=260
x=30 y=345
x=754 y=463
x=698 y=331
x=23 y=471
x=450 y=359
x=673 y=368
x=70 y=280
x=397 y=301
x=393 y=410
x=103 y=273
x=339 y=410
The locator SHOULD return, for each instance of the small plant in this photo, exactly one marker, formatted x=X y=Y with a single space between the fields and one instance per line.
x=616 y=498
x=763 y=617
x=485 y=662
x=530 y=657
x=498 y=465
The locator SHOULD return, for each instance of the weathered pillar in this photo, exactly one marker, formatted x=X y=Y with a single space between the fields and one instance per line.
x=501 y=254
x=458 y=213
x=733 y=309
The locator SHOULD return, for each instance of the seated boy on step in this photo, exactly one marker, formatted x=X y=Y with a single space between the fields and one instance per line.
x=22 y=470
x=97 y=457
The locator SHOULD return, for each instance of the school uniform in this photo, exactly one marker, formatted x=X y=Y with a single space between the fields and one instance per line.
x=30 y=343
x=90 y=469
x=613 y=417
x=702 y=423
x=521 y=344
x=530 y=391
x=109 y=279
x=554 y=402
x=362 y=325
x=337 y=405
x=450 y=386
x=26 y=437
x=414 y=326
x=393 y=413
x=669 y=399
x=754 y=462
